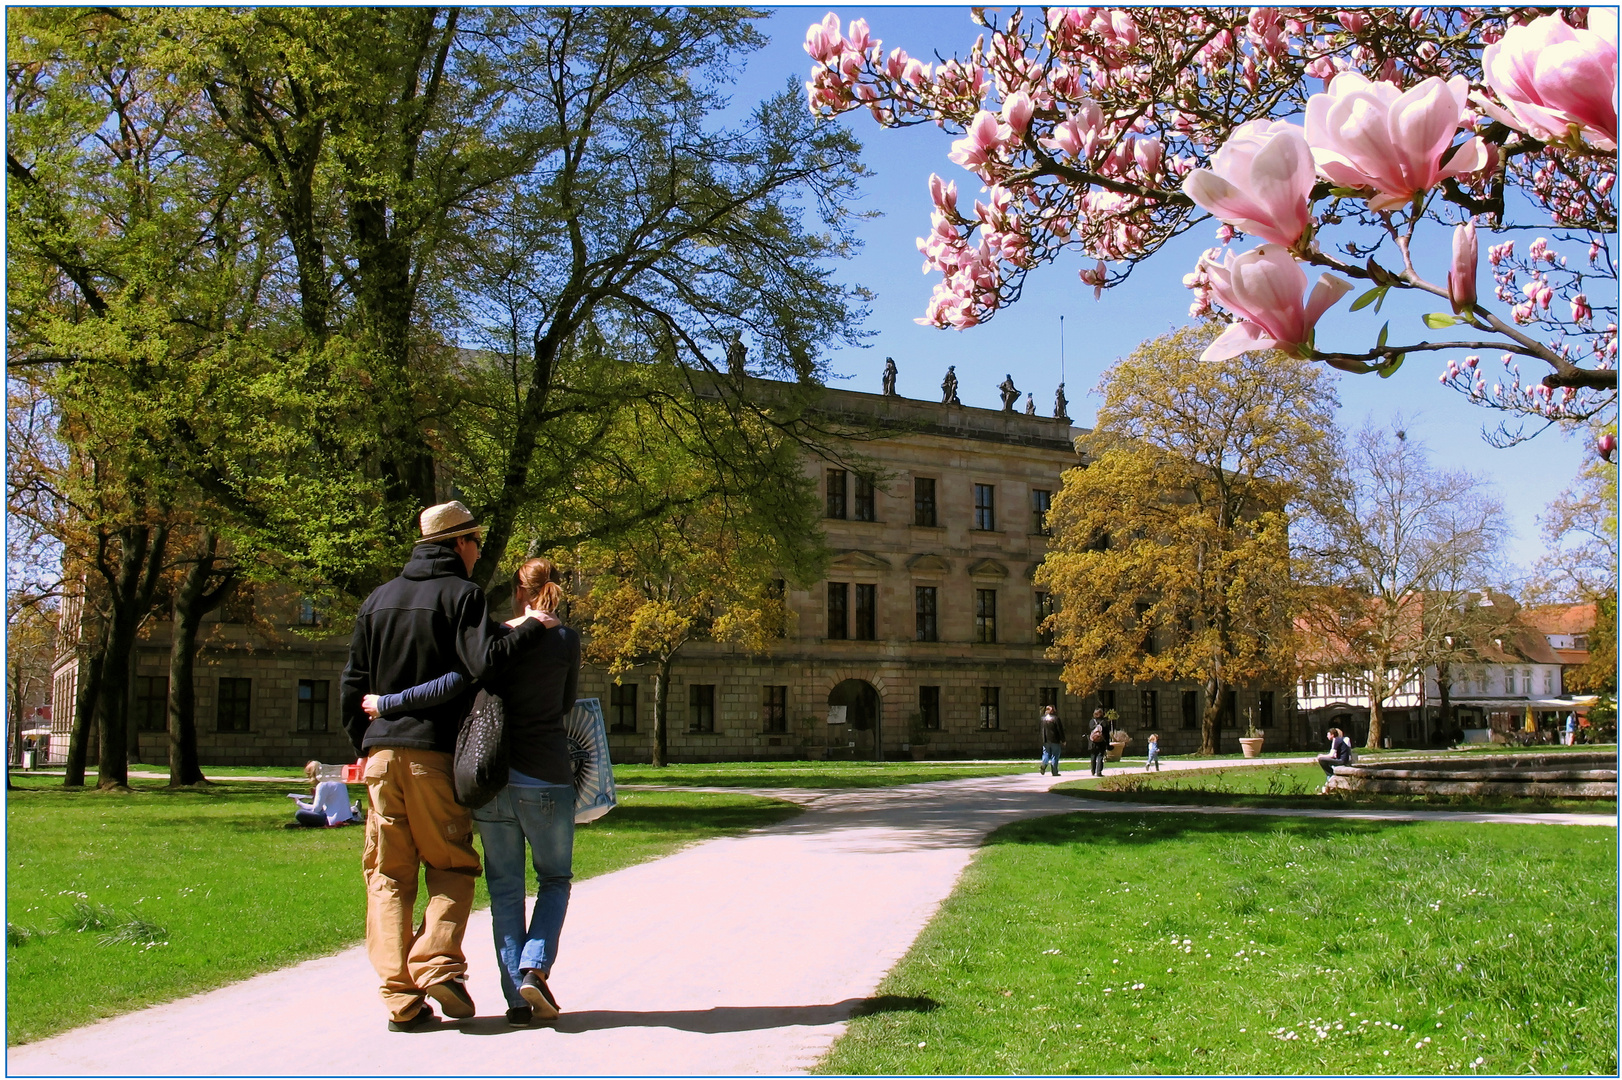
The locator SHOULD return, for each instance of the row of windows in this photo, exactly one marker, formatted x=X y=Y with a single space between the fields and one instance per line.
x=1341 y=688
x=622 y=708
x=233 y=708
x=926 y=613
x=861 y=504
x=1479 y=680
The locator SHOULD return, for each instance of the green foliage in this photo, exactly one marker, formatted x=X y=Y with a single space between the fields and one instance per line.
x=1191 y=944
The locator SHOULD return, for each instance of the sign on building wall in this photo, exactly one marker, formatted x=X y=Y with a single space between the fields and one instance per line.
x=836 y=714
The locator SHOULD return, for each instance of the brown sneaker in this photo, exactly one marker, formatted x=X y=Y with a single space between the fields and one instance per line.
x=539 y=995
x=453 y=997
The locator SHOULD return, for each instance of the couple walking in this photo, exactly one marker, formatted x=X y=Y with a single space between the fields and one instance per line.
x=423 y=645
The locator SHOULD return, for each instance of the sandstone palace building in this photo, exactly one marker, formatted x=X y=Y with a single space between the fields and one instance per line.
x=923 y=641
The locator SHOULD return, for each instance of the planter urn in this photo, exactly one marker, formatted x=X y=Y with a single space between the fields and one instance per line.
x=1252 y=746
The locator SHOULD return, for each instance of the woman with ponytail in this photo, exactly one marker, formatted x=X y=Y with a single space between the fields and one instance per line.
x=537 y=690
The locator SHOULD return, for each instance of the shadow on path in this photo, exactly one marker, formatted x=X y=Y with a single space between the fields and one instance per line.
x=708 y=1021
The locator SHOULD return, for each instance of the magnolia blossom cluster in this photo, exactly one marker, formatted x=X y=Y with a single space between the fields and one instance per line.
x=1108 y=130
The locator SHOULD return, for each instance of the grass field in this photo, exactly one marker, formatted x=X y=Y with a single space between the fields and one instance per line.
x=1180 y=943
x=1294 y=786
x=815 y=774
x=115 y=902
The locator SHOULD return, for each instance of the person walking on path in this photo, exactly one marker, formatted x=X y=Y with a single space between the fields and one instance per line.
x=1098 y=741
x=1571 y=729
x=1052 y=739
x=1154 y=754
x=537 y=691
x=1340 y=753
x=427 y=622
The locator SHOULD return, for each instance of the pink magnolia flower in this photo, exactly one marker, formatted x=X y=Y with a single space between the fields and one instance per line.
x=974 y=149
x=1550 y=76
x=823 y=40
x=1461 y=279
x=1374 y=135
x=860 y=37
x=1017 y=110
x=1607 y=446
x=1263 y=287
x=1355 y=22
x=1259 y=181
x=1580 y=311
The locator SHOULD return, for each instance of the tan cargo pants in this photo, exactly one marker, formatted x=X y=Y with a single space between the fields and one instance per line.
x=415 y=820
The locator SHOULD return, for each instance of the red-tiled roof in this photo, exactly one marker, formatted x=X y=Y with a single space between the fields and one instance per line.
x=1562 y=618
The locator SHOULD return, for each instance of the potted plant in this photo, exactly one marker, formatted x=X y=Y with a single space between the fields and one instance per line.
x=1251 y=741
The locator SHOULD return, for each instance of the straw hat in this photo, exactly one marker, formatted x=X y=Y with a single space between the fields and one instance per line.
x=446 y=522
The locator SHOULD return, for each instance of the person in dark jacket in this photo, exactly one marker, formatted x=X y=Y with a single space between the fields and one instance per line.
x=1052 y=739
x=1098 y=741
x=1340 y=753
x=427 y=622
x=537 y=692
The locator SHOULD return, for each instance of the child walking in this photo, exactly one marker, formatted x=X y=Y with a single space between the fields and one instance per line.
x=1154 y=754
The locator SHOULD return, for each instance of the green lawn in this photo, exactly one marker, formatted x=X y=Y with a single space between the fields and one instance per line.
x=207 y=887
x=1181 y=943
x=815 y=774
x=1293 y=787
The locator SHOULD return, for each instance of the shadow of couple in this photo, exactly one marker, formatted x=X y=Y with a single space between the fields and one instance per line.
x=704 y=1021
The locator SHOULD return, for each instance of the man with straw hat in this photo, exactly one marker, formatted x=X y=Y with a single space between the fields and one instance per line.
x=427 y=622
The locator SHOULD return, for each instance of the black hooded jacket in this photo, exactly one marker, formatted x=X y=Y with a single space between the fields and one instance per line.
x=428 y=621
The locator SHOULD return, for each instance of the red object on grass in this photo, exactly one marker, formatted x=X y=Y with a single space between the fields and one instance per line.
x=354 y=774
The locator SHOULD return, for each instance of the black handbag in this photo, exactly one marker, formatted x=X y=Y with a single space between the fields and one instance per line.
x=480 y=769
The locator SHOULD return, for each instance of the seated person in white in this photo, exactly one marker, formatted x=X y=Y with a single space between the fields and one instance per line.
x=328 y=806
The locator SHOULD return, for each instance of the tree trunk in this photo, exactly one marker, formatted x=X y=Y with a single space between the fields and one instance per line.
x=661 y=711
x=85 y=697
x=132 y=732
x=193 y=600
x=1444 y=688
x=139 y=564
x=1376 y=721
x=1210 y=733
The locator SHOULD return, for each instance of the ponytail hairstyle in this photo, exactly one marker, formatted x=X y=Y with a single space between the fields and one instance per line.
x=534 y=586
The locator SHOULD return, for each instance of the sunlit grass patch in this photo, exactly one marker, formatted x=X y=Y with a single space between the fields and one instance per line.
x=815 y=774
x=1294 y=786
x=1179 y=943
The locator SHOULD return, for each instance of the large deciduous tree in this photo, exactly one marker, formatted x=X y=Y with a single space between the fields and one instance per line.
x=1171 y=557
x=710 y=560
x=530 y=178
x=1350 y=140
x=1395 y=547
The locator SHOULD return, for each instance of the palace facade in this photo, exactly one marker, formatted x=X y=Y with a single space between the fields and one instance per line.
x=922 y=642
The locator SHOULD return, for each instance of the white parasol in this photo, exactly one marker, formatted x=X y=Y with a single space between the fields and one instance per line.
x=588 y=749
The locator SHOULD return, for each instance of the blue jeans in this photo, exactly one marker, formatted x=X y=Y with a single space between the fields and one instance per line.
x=1050 y=756
x=542 y=814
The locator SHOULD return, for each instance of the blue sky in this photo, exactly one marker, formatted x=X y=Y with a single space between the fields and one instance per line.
x=1023 y=340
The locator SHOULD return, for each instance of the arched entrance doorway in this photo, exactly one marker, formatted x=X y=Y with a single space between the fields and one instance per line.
x=861 y=704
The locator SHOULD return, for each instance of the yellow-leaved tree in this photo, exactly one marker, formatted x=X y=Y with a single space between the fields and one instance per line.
x=710 y=558
x=1170 y=558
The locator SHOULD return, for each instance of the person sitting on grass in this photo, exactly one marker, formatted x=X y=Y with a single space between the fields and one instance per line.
x=1154 y=754
x=329 y=805
x=1340 y=753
